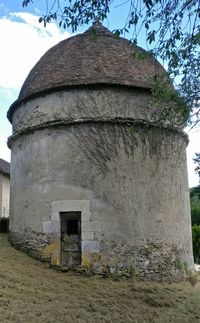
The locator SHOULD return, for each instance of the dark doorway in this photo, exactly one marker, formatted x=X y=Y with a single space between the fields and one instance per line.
x=70 y=239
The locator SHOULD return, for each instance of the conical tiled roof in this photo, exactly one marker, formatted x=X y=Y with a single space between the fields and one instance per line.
x=96 y=56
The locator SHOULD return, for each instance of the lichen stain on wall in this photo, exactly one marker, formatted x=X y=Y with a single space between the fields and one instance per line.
x=52 y=251
x=86 y=260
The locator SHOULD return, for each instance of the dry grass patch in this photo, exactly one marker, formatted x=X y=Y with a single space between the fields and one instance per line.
x=31 y=292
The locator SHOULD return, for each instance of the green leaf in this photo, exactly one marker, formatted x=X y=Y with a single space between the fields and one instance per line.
x=117 y=33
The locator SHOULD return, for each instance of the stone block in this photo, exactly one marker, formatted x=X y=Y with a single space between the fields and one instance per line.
x=90 y=246
x=51 y=226
x=87 y=235
x=55 y=226
x=70 y=205
x=47 y=228
x=85 y=215
x=55 y=216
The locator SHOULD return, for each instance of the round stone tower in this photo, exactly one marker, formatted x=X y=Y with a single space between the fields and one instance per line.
x=98 y=163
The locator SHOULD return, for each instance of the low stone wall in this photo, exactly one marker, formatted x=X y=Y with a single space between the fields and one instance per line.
x=33 y=243
x=152 y=261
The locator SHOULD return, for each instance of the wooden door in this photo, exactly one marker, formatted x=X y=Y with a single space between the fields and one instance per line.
x=70 y=239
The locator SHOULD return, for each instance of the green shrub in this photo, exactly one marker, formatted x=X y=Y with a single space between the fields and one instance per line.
x=195 y=192
x=196 y=243
x=195 y=205
x=195 y=213
x=4 y=225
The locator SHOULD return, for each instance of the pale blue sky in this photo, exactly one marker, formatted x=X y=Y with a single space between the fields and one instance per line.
x=23 y=40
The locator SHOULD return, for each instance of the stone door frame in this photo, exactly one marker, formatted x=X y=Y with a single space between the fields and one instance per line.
x=88 y=227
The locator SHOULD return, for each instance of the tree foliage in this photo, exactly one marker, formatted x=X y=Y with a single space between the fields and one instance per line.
x=171 y=26
x=4 y=225
x=195 y=205
x=195 y=194
x=196 y=243
x=197 y=162
x=195 y=217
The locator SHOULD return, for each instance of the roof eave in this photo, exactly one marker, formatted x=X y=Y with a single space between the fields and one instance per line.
x=5 y=173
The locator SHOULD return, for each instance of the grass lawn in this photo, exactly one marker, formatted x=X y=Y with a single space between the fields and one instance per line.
x=32 y=292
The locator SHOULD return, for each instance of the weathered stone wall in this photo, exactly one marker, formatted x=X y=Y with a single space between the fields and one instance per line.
x=4 y=195
x=105 y=103
x=133 y=174
x=33 y=243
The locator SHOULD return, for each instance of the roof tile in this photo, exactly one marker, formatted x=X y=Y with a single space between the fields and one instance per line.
x=96 y=56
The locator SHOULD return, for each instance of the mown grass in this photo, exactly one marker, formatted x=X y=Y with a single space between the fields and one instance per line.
x=31 y=292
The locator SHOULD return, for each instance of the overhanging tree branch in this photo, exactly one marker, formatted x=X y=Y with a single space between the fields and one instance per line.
x=172 y=33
